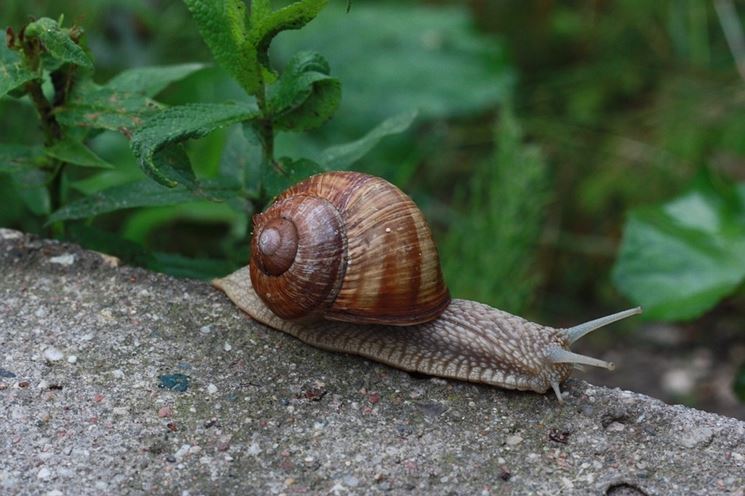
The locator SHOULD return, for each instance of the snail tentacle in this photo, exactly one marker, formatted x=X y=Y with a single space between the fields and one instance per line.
x=576 y=332
x=561 y=355
x=557 y=391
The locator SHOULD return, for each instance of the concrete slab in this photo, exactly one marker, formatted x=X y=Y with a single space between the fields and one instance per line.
x=89 y=350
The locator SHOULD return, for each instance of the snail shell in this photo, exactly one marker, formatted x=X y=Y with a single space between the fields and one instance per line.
x=347 y=246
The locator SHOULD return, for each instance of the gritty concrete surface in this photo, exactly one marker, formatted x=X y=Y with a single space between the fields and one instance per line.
x=85 y=346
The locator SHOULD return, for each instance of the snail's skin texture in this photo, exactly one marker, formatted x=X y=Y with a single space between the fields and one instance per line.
x=470 y=341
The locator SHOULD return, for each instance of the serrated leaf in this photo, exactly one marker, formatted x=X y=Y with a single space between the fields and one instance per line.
x=679 y=259
x=342 y=156
x=76 y=153
x=145 y=193
x=177 y=124
x=149 y=81
x=223 y=26
x=265 y=25
x=13 y=72
x=293 y=171
x=305 y=96
x=16 y=158
x=57 y=42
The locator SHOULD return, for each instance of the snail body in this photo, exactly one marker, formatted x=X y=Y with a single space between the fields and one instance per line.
x=346 y=262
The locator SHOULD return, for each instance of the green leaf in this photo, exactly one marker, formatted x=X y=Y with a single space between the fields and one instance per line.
x=305 y=96
x=13 y=72
x=293 y=171
x=145 y=193
x=265 y=25
x=679 y=259
x=101 y=107
x=57 y=42
x=242 y=156
x=223 y=25
x=16 y=158
x=29 y=182
x=177 y=124
x=260 y=9
x=172 y=163
x=76 y=153
x=149 y=81
x=342 y=156
x=31 y=186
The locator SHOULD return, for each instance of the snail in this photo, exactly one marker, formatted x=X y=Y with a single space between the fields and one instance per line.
x=346 y=262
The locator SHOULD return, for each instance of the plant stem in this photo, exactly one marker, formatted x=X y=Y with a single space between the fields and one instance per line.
x=265 y=130
x=49 y=124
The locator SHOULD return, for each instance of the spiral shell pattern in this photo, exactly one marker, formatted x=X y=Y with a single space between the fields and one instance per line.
x=347 y=246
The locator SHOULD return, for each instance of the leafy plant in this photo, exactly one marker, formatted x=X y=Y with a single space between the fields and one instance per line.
x=49 y=64
x=301 y=97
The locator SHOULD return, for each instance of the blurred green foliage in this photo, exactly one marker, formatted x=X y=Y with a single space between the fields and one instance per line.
x=495 y=237
x=616 y=106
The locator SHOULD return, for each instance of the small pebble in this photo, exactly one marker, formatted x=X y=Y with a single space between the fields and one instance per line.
x=615 y=427
x=52 y=354
x=66 y=259
x=227 y=346
x=698 y=437
x=6 y=373
x=44 y=474
x=182 y=451
x=165 y=411
x=206 y=329
x=514 y=440
x=72 y=359
x=351 y=481
x=174 y=382
x=10 y=234
x=211 y=389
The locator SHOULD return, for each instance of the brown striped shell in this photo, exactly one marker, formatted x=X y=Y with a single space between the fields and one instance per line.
x=347 y=246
